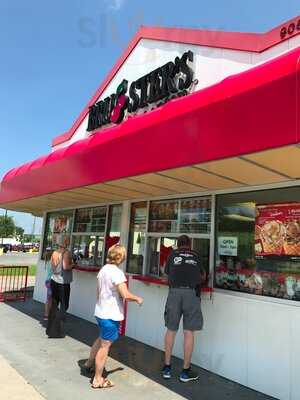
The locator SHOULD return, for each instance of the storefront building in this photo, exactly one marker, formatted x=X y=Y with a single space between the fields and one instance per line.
x=192 y=132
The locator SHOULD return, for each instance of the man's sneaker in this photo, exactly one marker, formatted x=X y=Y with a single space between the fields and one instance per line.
x=188 y=375
x=166 y=372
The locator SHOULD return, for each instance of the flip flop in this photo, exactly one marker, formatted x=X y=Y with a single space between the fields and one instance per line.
x=105 y=385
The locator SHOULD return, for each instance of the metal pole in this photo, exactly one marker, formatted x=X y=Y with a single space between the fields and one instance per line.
x=4 y=231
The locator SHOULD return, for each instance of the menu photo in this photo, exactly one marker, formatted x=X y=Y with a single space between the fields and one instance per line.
x=60 y=224
x=277 y=230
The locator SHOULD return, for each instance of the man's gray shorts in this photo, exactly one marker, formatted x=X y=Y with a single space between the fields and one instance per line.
x=183 y=302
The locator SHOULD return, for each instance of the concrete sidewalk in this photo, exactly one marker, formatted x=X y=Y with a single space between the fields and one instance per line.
x=13 y=386
x=52 y=366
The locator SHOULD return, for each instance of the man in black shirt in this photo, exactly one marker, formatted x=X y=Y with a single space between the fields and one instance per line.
x=185 y=274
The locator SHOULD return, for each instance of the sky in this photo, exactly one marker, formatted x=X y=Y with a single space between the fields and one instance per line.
x=54 y=55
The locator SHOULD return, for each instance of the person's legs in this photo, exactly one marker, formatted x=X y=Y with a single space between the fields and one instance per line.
x=94 y=350
x=173 y=312
x=169 y=343
x=188 y=348
x=67 y=295
x=109 y=332
x=48 y=299
x=101 y=358
x=192 y=321
x=47 y=307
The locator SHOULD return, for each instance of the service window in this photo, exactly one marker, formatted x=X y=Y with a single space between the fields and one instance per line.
x=88 y=250
x=159 y=249
x=137 y=235
x=88 y=236
x=113 y=232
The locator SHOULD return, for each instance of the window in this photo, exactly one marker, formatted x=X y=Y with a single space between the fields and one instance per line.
x=258 y=243
x=167 y=219
x=114 y=226
x=88 y=236
x=56 y=223
x=137 y=235
x=87 y=250
x=159 y=248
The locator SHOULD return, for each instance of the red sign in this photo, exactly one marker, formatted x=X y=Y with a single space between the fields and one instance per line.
x=277 y=229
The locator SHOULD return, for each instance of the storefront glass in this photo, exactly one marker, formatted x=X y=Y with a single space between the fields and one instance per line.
x=258 y=243
x=159 y=249
x=114 y=226
x=88 y=236
x=87 y=250
x=93 y=232
x=137 y=234
x=168 y=219
x=56 y=223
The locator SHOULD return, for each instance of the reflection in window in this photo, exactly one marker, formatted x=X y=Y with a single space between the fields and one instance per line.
x=87 y=250
x=159 y=249
x=136 y=248
x=245 y=259
x=114 y=226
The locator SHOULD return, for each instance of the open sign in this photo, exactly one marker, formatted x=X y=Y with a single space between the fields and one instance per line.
x=227 y=246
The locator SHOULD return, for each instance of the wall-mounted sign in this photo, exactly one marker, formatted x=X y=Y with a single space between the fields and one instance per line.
x=227 y=246
x=159 y=86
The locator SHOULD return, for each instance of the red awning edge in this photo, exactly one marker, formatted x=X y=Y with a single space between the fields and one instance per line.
x=252 y=111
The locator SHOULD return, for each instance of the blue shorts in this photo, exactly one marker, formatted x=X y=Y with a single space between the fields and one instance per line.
x=108 y=329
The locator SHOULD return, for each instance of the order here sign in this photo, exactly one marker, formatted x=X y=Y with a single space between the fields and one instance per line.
x=227 y=246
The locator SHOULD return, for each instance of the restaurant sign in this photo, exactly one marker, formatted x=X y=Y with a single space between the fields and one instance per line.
x=167 y=82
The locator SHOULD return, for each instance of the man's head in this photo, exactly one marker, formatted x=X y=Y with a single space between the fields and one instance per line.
x=184 y=242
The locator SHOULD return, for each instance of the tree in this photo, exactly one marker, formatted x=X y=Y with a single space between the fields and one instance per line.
x=29 y=238
x=7 y=226
x=19 y=233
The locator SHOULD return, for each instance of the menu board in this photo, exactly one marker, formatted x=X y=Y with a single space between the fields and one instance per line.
x=195 y=215
x=163 y=216
x=277 y=230
x=90 y=220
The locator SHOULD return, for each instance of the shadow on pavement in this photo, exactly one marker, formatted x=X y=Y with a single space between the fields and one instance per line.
x=146 y=360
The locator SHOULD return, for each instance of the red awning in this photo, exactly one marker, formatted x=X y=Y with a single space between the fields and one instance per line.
x=246 y=113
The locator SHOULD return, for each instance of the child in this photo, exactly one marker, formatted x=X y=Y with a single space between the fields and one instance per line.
x=49 y=272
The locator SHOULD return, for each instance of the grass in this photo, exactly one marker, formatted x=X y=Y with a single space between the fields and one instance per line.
x=8 y=272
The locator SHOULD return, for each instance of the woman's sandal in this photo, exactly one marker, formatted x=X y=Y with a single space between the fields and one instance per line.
x=105 y=385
